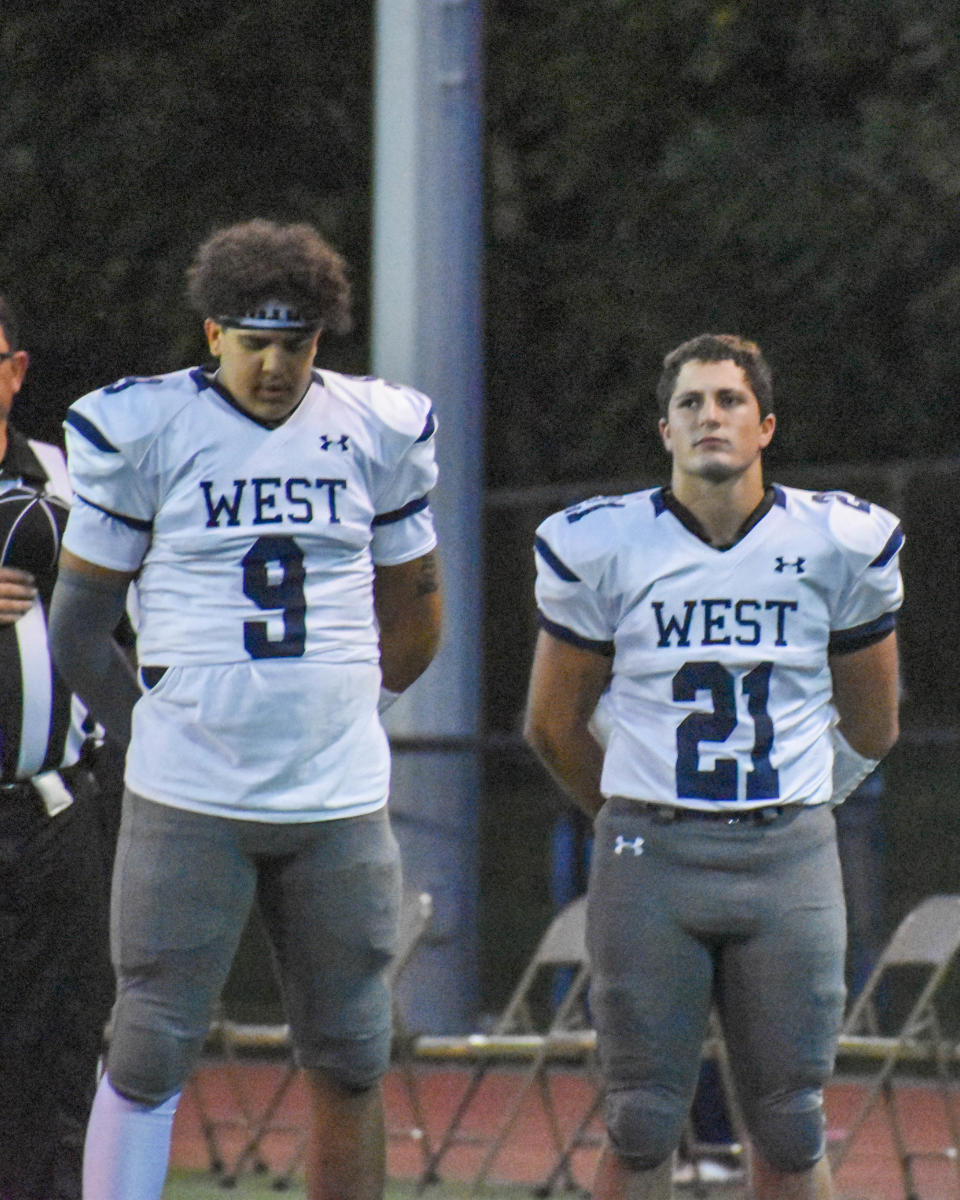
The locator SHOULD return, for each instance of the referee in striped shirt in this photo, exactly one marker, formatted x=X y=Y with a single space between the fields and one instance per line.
x=56 y=983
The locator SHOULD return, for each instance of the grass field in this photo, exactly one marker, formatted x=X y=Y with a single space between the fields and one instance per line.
x=201 y=1185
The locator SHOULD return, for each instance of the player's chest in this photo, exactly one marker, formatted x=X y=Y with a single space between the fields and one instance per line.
x=310 y=480
x=765 y=598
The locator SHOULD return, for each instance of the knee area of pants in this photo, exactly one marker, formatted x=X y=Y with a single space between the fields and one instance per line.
x=143 y=1099
x=644 y=1126
x=355 y=1064
x=789 y=1131
x=149 y=1071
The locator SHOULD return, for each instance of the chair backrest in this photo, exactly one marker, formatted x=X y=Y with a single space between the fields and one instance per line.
x=565 y=941
x=929 y=935
x=563 y=945
x=927 y=938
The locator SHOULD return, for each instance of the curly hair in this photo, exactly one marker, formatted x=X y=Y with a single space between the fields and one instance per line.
x=241 y=267
x=718 y=347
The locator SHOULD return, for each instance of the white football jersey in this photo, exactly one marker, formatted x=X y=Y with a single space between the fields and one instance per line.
x=255 y=548
x=721 y=693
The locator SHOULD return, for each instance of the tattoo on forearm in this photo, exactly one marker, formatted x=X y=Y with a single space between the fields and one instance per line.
x=428 y=580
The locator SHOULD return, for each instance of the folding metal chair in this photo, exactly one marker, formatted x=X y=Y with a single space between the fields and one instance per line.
x=519 y=1033
x=924 y=945
x=230 y=1041
x=256 y=1122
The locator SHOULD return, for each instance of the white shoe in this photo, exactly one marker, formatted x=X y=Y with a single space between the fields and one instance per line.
x=715 y=1170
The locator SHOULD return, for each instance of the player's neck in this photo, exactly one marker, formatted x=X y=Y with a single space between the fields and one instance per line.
x=3 y=440
x=720 y=506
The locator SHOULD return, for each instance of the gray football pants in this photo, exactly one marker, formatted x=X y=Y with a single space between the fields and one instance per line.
x=689 y=913
x=183 y=886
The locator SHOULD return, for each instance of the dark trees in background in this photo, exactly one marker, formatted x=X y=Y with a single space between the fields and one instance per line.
x=790 y=171
x=131 y=132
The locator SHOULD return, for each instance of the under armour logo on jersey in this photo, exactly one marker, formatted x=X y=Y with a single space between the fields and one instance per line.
x=343 y=441
x=622 y=843
x=782 y=565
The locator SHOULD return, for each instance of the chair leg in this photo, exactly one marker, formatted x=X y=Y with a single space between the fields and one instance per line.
x=208 y=1127
x=260 y=1127
x=561 y=1172
x=283 y=1180
x=506 y=1124
x=418 y=1132
x=430 y=1173
x=867 y=1105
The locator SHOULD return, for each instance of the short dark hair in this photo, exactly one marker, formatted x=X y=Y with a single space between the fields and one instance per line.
x=718 y=347
x=10 y=323
x=241 y=267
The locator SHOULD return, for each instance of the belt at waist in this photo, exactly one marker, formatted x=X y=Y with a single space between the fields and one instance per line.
x=744 y=816
x=47 y=793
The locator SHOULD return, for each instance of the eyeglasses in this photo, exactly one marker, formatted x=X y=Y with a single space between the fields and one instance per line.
x=5 y=354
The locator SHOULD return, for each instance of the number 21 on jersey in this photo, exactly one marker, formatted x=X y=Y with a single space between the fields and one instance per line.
x=721 y=781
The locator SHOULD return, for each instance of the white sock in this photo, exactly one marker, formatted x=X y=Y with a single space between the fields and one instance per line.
x=127 y=1147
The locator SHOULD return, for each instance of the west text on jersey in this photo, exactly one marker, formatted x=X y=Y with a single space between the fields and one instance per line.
x=723 y=621
x=272 y=501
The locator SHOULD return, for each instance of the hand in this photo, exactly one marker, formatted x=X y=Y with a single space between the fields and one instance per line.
x=17 y=594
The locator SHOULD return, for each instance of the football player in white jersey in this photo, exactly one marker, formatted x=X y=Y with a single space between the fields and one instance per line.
x=740 y=641
x=276 y=521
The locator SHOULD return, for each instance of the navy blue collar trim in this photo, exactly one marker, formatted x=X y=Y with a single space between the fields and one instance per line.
x=204 y=377
x=664 y=499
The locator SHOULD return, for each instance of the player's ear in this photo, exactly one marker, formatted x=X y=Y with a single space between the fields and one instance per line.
x=767 y=426
x=214 y=332
x=664 y=426
x=18 y=368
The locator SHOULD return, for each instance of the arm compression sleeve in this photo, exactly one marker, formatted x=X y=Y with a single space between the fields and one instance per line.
x=84 y=612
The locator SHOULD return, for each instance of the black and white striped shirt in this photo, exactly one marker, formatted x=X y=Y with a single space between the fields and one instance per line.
x=40 y=723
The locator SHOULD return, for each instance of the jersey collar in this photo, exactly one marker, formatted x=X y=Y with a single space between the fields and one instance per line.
x=206 y=377
x=665 y=499
x=20 y=462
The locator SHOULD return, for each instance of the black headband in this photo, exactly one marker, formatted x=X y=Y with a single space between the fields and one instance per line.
x=271 y=314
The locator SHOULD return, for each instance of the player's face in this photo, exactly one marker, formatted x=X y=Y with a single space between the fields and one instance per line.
x=265 y=370
x=714 y=429
x=13 y=367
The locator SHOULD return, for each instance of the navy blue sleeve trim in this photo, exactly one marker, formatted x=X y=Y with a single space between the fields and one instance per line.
x=894 y=542
x=200 y=379
x=563 y=634
x=844 y=641
x=134 y=522
x=398 y=514
x=87 y=428
x=557 y=564
x=429 y=428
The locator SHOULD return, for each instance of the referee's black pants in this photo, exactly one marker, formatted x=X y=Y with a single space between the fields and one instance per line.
x=56 y=989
